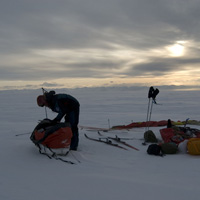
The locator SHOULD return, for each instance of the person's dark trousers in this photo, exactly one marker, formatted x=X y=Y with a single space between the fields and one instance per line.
x=73 y=118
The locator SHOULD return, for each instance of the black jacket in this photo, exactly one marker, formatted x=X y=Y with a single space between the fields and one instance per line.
x=61 y=104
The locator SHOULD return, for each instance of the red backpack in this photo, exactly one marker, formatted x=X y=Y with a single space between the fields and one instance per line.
x=56 y=136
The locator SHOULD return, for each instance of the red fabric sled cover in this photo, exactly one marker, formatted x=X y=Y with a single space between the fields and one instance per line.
x=59 y=139
x=171 y=135
x=167 y=134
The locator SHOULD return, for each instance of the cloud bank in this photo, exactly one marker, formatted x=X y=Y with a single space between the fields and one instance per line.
x=108 y=40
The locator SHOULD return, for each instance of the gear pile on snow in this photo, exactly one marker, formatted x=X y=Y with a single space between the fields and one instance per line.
x=175 y=137
x=183 y=135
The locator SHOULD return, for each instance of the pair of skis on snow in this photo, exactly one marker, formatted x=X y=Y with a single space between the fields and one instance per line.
x=109 y=141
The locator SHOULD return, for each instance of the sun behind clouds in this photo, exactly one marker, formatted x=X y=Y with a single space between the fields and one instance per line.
x=177 y=49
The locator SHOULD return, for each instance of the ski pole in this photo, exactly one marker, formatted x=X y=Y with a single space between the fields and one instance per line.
x=154 y=94
x=151 y=95
x=151 y=90
x=44 y=91
x=150 y=112
x=186 y=121
x=22 y=134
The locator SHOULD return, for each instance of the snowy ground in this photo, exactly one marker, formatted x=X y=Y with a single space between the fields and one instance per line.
x=104 y=172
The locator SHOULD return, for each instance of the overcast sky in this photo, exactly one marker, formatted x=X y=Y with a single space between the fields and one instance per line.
x=75 y=43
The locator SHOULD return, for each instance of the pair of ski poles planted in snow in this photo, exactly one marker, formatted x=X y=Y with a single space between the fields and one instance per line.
x=152 y=100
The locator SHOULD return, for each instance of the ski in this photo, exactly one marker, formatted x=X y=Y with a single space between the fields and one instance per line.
x=119 y=139
x=89 y=128
x=105 y=141
x=125 y=138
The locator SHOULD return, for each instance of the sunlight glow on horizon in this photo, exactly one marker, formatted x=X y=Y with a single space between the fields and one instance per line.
x=104 y=82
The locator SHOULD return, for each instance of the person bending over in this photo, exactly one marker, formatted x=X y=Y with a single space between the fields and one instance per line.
x=66 y=106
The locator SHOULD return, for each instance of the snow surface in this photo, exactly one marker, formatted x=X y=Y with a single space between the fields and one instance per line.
x=104 y=172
